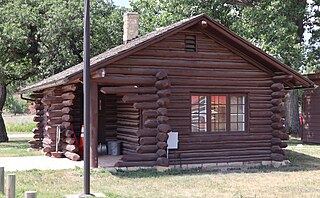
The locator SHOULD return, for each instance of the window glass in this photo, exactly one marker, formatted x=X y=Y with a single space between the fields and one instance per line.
x=227 y=113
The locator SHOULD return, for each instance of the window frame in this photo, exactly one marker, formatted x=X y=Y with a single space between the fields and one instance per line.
x=228 y=112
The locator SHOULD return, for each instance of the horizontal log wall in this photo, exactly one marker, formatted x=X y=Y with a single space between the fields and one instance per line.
x=107 y=117
x=212 y=69
x=127 y=123
x=311 y=113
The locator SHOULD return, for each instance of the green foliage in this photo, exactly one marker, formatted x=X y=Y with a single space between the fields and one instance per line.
x=14 y=104
x=41 y=38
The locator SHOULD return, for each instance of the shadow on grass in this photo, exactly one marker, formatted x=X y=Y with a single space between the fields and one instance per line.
x=15 y=144
x=299 y=162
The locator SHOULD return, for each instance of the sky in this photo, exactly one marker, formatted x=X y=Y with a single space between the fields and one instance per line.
x=124 y=3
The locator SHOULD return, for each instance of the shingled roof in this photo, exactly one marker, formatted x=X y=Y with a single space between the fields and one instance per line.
x=143 y=41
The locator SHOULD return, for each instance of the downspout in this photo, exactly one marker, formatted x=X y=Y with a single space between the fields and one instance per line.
x=27 y=99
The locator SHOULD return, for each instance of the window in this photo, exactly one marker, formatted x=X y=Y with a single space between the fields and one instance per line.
x=218 y=113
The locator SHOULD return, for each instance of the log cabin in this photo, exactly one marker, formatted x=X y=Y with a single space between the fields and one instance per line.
x=196 y=85
x=311 y=112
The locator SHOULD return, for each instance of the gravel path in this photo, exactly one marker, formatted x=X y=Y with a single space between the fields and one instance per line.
x=37 y=162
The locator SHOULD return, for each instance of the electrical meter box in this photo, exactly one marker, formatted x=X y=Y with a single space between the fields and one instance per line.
x=173 y=140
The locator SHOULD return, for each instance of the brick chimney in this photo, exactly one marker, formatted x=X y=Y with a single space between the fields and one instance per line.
x=130 y=26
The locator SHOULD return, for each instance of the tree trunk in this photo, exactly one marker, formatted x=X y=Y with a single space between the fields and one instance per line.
x=292 y=121
x=3 y=96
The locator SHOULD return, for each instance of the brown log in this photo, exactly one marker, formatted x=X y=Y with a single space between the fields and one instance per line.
x=40 y=113
x=277 y=125
x=68 y=147
x=68 y=88
x=161 y=75
x=277 y=157
x=67 y=118
x=147 y=132
x=128 y=138
x=277 y=87
x=277 y=149
x=68 y=96
x=68 y=133
x=68 y=103
x=162 y=137
x=165 y=128
x=56 y=106
x=164 y=93
x=282 y=78
x=39 y=106
x=46 y=148
x=162 y=84
x=277 y=133
x=54 y=113
x=49 y=129
x=162 y=111
x=161 y=153
x=140 y=98
x=100 y=73
x=283 y=145
x=116 y=80
x=34 y=141
x=38 y=136
x=55 y=120
x=37 y=130
x=40 y=124
x=47 y=141
x=162 y=145
x=276 y=117
x=70 y=140
x=140 y=157
x=51 y=100
x=146 y=105
x=150 y=123
x=276 y=102
x=66 y=110
x=278 y=109
x=162 y=161
x=148 y=140
x=163 y=102
x=38 y=119
x=147 y=149
x=275 y=141
x=36 y=95
x=128 y=89
x=278 y=94
x=261 y=114
x=284 y=136
x=162 y=119
x=149 y=114
x=72 y=156
x=66 y=125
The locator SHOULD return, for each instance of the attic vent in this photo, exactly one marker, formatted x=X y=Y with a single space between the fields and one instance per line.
x=191 y=43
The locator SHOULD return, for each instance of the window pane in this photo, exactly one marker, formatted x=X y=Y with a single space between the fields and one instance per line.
x=233 y=100
x=233 y=118
x=202 y=118
x=202 y=99
x=194 y=99
x=241 y=109
x=195 y=127
x=222 y=126
x=241 y=117
x=202 y=108
x=233 y=108
x=240 y=126
x=195 y=109
x=240 y=99
x=233 y=126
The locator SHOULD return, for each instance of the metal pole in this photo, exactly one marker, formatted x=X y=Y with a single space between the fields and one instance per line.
x=11 y=186
x=86 y=95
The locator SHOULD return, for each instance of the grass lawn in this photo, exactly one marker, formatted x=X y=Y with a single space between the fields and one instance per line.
x=300 y=179
x=17 y=147
x=19 y=123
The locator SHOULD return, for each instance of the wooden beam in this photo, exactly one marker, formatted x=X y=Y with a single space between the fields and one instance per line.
x=93 y=125
x=126 y=80
x=128 y=89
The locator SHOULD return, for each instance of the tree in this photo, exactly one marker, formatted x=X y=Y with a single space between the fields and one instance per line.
x=41 y=38
x=273 y=25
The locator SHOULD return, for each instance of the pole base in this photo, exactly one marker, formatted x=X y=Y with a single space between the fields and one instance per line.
x=97 y=195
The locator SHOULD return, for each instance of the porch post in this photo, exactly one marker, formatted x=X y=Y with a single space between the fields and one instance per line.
x=93 y=124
